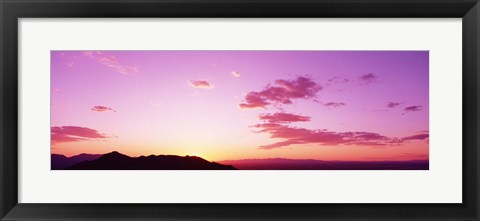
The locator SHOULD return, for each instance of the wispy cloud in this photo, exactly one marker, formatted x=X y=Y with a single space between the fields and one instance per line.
x=416 y=137
x=201 y=84
x=337 y=80
x=368 y=78
x=294 y=135
x=254 y=100
x=413 y=108
x=334 y=104
x=70 y=64
x=102 y=109
x=235 y=74
x=393 y=104
x=283 y=118
x=110 y=60
x=278 y=126
x=282 y=92
x=65 y=134
x=156 y=103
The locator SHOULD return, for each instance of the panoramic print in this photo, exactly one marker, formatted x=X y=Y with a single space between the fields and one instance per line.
x=239 y=110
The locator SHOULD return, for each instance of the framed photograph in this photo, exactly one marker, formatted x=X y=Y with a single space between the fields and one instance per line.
x=239 y=110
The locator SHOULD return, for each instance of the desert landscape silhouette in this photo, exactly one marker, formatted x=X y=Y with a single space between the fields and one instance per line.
x=117 y=161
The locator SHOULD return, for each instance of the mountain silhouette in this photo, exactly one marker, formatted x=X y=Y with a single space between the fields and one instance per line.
x=118 y=161
x=59 y=162
x=309 y=164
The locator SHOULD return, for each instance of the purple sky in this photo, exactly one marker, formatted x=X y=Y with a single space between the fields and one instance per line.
x=333 y=105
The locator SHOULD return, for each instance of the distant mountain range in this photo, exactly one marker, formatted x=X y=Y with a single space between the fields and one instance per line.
x=307 y=164
x=118 y=161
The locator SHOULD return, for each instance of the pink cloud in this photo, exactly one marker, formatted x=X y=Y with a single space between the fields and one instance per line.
x=65 y=134
x=201 y=84
x=393 y=104
x=111 y=61
x=295 y=135
x=156 y=103
x=282 y=92
x=368 y=78
x=254 y=100
x=413 y=108
x=334 y=104
x=102 y=109
x=70 y=64
x=236 y=74
x=274 y=125
x=337 y=80
x=416 y=137
x=283 y=118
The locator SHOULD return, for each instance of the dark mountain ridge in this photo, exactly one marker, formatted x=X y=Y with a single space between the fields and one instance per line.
x=309 y=164
x=59 y=162
x=118 y=161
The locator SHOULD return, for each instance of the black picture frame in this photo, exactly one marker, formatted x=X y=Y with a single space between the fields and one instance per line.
x=12 y=10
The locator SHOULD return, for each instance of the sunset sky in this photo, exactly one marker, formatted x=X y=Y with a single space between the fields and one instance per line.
x=227 y=105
